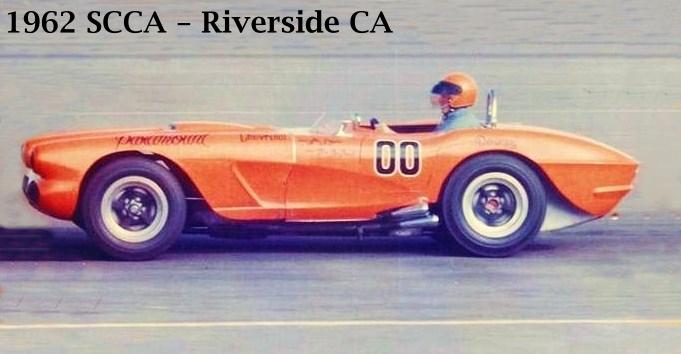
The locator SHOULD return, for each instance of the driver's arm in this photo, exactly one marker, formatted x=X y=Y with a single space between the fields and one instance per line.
x=384 y=128
x=379 y=126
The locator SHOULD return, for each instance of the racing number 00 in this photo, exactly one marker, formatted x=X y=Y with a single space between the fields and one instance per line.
x=403 y=155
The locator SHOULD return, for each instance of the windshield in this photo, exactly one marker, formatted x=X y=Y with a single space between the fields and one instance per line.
x=331 y=124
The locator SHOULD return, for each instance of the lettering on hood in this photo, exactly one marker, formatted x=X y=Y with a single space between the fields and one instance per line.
x=158 y=140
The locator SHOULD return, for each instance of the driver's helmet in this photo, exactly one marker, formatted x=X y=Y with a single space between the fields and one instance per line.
x=455 y=90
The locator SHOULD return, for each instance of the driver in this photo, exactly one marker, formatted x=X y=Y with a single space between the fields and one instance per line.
x=454 y=94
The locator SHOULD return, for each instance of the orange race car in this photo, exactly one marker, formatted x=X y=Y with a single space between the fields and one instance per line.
x=490 y=189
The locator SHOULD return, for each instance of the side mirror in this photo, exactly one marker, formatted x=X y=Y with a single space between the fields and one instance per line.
x=491 y=118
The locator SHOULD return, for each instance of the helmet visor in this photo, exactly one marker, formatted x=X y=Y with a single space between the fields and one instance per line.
x=442 y=91
x=446 y=88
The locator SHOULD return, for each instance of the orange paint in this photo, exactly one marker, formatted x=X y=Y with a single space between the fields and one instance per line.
x=263 y=173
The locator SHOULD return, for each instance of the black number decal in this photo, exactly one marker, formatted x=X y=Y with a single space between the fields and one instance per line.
x=383 y=146
x=387 y=155
x=410 y=164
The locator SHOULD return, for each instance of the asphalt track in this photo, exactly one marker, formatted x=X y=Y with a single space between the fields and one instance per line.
x=611 y=286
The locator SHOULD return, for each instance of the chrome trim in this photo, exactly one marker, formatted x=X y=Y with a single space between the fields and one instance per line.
x=427 y=221
x=411 y=211
x=31 y=176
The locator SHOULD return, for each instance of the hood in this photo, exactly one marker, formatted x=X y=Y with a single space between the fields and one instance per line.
x=215 y=127
x=186 y=127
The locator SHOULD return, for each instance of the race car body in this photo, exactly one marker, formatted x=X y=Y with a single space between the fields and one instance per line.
x=134 y=191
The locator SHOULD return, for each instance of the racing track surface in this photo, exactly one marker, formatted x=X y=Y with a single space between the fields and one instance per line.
x=611 y=286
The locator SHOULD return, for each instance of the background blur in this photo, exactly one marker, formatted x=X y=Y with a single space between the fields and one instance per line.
x=609 y=70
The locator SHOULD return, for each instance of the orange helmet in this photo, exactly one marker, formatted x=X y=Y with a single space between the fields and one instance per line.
x=457 y=90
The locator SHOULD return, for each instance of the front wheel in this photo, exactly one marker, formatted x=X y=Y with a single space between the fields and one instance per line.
x=493 y=205
x=133 y=208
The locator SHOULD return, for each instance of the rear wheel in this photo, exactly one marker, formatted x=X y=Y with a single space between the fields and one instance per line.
x=133 y=208
x=493 y=205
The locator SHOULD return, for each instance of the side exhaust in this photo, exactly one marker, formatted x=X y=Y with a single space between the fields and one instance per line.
x=412 y=217
x=410 y=212
x=424 y=222
x=406 y=221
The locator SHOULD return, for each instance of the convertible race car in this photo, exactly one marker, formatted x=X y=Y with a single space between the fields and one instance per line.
x=489 y=189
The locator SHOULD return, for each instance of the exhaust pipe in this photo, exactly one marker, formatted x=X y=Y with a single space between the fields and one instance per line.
x=426 y=221
x=411 y=212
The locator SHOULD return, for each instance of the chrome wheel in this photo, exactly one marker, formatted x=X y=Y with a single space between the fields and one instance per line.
x=134 y=209
x=495 y=205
